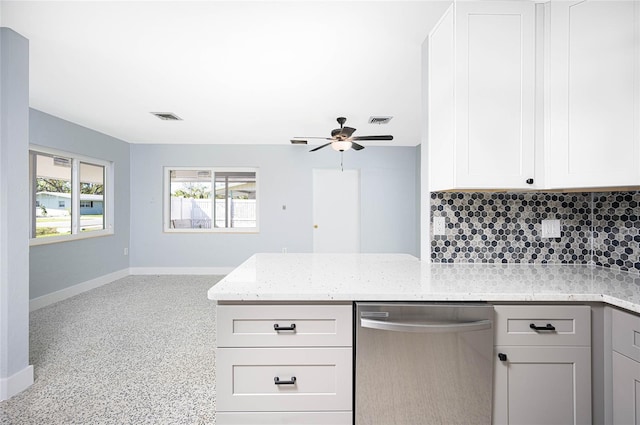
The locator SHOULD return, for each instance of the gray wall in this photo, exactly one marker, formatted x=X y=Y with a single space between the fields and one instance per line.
x=14 y=205
x=60 y=265
x=388 y=202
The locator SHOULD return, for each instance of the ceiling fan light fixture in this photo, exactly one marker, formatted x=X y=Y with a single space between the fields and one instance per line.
x=341 y=146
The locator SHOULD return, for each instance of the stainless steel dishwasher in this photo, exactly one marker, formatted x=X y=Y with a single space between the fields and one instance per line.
x=422 y=363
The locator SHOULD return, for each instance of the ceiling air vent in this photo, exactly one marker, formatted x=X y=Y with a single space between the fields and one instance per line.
x=298 y=142
x=167 y=116
x=379 y=120
x=61 y=162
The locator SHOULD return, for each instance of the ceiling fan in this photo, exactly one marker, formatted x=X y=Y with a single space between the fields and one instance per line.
x=341 y=139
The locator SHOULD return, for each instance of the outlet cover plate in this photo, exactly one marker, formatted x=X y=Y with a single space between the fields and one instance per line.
x=438 y=225
x=550 y=228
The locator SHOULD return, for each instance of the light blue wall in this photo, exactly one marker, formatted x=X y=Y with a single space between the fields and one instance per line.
x=14 y=207
x=60 y=265
x=418 y=195
x=388 y=202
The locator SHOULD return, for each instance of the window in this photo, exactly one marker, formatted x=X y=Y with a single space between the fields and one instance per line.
x=211 y=199
x=71 y=196
x=91 y=197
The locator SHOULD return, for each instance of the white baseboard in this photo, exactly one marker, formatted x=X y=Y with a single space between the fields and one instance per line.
x=16 y=383
x=181 y=270
x=65 y=293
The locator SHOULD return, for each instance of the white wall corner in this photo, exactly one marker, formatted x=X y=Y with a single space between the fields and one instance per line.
x=71 y=291
x=181 y=270
x=16 y=383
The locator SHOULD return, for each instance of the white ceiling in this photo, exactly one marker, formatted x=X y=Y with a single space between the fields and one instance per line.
x=244 y=72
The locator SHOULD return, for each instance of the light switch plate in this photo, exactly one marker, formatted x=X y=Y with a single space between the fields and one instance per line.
x=551 y=228
x=438 y=225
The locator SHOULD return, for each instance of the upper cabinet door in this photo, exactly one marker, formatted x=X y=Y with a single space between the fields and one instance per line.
x=594 y=94
x=495 y=94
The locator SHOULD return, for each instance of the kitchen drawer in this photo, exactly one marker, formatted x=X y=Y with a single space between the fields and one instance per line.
x=572 y=325
x=315 y=325
x=246 y=379
x=625 y=334
x=277 y=418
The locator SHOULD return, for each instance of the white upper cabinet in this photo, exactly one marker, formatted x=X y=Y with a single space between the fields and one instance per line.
x=527 y=96
x=594 y=94
x=481 y=72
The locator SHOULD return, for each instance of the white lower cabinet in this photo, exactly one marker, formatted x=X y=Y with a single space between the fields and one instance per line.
x=543 y=376
x=284 y=364
x=626 y=390
x=278 y=418
x=543 y=385
x=625 y=331
x=284 y=379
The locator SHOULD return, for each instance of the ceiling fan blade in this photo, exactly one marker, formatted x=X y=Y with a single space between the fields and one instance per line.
x=344 y=132
x=320 y=147
x=373 y=138
x=298 y=142
x=356 y=147
x=347 y=131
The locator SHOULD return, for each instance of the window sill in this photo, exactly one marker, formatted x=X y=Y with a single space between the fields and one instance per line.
x=69 y=238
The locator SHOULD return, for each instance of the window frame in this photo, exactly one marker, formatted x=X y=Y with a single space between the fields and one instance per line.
x=166 y=199
x=108 y=201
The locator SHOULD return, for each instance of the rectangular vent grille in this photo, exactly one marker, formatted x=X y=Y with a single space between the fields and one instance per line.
x=298 y=142
x=61 y=162
x=379 y=120
x=167 y=116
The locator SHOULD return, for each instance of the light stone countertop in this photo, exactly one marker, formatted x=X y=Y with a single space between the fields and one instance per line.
x=402 y=277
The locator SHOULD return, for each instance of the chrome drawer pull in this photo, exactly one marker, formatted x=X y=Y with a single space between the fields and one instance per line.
x=277 y=381
x=548 y=327
x=277 y=327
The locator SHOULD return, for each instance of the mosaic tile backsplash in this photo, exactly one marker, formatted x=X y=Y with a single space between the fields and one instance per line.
x=616 y=230
x=597 y=228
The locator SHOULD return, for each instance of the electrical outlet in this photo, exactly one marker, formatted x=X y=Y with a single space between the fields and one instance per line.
x=439 y=225
x=126 y=251
x=551 y=228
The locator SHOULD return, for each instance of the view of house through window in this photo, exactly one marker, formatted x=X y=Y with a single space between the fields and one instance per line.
x=212 y=199
x=68 y=195
x=53 y=195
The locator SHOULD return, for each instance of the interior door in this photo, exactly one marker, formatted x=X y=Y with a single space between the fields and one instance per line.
x=336 y=211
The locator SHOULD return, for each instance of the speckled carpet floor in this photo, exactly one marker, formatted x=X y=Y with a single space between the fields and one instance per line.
x=139 y=350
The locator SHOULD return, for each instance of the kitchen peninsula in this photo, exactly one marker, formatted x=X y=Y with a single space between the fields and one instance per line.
x=289 y=318
x=402 y=277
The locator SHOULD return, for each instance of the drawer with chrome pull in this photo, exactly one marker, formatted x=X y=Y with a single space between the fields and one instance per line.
x=543 y=325
x=284 y=325
x=283 y=379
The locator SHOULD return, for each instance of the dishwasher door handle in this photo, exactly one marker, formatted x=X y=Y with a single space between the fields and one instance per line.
x=433 y=327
